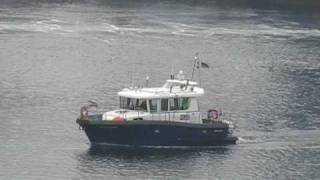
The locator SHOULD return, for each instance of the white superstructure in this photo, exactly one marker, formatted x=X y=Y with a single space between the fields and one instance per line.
x=176 y=100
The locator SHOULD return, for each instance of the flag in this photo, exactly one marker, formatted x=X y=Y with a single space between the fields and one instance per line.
x=204 y=65
x=197 y=64
x=92 y=104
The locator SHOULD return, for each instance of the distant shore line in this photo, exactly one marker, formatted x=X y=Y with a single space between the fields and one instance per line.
x=273 y=4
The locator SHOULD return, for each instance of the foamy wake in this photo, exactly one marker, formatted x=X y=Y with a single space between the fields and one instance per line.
x=157 y=28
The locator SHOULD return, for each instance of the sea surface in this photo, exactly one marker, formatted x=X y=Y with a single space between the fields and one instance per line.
x=264 y=74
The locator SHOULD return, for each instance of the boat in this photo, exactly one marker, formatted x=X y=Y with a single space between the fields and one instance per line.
x=160 y=117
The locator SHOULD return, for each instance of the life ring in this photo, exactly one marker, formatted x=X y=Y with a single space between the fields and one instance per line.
x=118 y=118
x=213 y=114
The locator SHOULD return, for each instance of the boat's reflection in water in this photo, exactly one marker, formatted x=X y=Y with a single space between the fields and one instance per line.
x=152 y=163
x=116 y=151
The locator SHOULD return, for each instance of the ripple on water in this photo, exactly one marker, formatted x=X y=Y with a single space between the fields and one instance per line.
x=264 y=71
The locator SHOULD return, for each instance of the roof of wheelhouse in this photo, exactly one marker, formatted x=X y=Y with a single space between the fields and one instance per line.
x=172 y=88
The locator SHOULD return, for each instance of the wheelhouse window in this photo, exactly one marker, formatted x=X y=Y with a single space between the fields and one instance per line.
x=185 y=103
x=153 y=105
x=179 y=104
x=164 y=104
x=133 y=104
x=174 y=104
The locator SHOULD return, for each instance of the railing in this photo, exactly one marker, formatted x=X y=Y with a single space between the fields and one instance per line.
x=189 y=116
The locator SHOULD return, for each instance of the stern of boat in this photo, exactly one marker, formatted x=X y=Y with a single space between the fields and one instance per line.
x=218 y=117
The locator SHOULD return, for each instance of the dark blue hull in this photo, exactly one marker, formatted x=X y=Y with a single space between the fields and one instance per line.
x=157 y=133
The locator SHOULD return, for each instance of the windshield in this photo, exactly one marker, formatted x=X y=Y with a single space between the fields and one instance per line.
x=133 y=104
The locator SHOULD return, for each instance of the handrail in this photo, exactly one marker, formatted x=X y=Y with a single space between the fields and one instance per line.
x=166 y=116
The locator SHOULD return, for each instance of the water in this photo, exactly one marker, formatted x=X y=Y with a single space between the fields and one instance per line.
x=265 y=72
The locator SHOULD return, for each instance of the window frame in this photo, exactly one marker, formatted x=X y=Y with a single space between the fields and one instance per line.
x=166 y=104
x=155 y=105
x=179 y=103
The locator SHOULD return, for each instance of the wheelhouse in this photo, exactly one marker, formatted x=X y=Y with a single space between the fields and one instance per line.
x=176 y=100
x=158 y=105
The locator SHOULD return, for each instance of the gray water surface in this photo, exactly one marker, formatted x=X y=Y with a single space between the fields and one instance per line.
x=264 y=74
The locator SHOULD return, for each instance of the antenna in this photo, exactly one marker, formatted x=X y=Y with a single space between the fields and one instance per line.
x=172 y=72
x=199 y=70
x=187 y=84
x=131 y=83
x=147 y=80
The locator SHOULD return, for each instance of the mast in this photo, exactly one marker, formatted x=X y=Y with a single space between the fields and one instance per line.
x=196 y=58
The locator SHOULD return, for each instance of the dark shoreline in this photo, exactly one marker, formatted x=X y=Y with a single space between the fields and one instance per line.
x=273 y=4
x=296 y=5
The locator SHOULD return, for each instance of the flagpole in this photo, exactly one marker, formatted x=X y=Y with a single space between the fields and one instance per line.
x=194 y=64
x=199 y=69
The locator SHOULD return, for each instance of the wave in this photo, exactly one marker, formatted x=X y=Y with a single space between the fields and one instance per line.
x=177 y=29
x=34 y=26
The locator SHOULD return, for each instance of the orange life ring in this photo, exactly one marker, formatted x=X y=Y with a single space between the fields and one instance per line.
x=213 y=114
x=118 y=118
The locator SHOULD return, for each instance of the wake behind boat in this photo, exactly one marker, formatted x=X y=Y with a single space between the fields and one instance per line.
x=166 y=116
